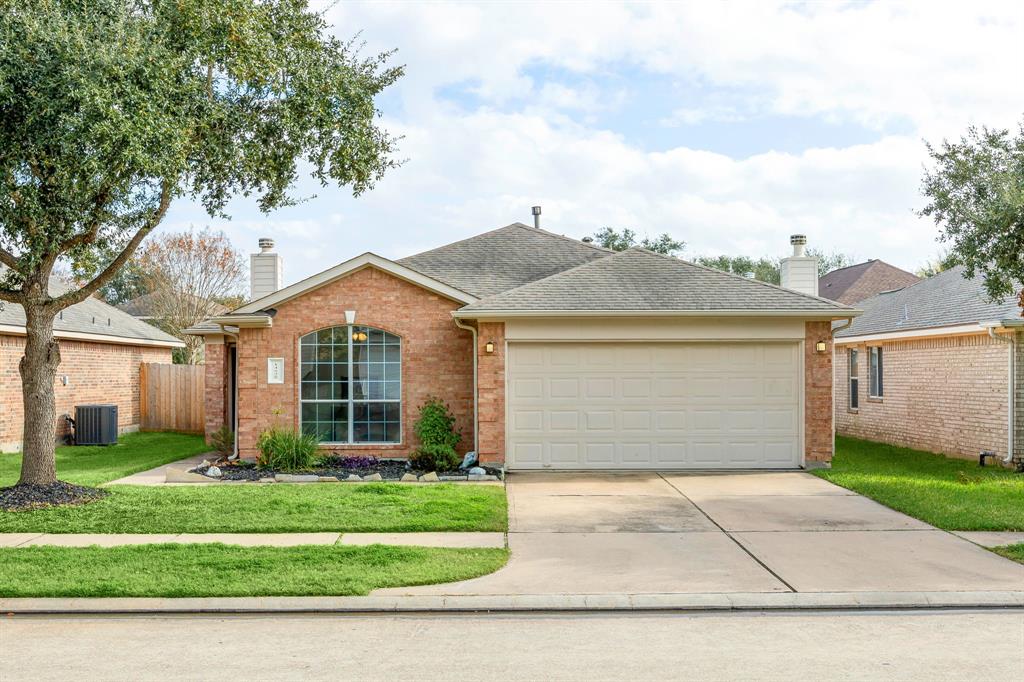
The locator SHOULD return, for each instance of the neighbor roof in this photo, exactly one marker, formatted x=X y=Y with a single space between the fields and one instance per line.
x=639 y=281
x=503 y=259
x=855 y=283
x=91 y=317
x=143 y=307
x=947 y=299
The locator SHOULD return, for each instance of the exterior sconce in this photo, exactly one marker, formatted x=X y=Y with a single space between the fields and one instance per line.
x=821 y=346
x=489 y=347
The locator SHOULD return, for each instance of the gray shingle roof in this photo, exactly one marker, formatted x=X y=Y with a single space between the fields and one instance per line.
x=502 y=259
x=854 y=283
x=91 y=316
x=946 y=299
x=640 y=280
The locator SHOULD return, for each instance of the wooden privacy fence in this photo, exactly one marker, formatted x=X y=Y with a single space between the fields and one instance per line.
x=171 y=397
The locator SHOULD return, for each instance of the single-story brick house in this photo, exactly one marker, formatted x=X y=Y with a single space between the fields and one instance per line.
x=854 y=283
x=934 y=366
x=552 y=353
x=101 y=349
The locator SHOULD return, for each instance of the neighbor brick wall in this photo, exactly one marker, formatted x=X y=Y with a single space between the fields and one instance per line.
x=215 y=365
x=818 y=433
x=491 y=397
x=97 y=372
x=942 y=394
x=436 y=355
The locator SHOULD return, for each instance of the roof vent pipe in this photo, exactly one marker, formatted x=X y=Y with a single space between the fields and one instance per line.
x=536 y=216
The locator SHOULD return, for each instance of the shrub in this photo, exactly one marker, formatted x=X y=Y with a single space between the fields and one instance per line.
x=351 y=461
x=223 y=441
x=435 y=429
x=284 y=450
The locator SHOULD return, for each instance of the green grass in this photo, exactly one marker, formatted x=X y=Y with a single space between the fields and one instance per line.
x=953 y=494
x=254 y=508
x=1015 y=552
x=92 y=465
x=232 y=571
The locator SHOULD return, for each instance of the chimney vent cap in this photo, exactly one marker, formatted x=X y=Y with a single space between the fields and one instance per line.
x=266 y=244
x=798 y=239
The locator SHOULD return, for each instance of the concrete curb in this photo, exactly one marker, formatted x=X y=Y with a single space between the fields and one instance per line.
x=740 y=601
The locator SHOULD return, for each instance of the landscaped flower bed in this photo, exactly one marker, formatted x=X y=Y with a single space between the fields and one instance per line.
x=355 y=469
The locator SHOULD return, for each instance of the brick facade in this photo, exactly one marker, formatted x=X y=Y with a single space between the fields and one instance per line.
x=215 y=363
x=97 y=373
x=818 y=432
x=941 y=394
x=436 y=356
x=491 y=392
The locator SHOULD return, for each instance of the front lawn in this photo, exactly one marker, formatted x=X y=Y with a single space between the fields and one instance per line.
x=1015 y=552
x=93 y=464
x=231 y=571
x=953 y=494
x=277 y=508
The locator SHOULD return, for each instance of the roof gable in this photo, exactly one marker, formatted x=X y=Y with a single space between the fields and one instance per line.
x=944 y=300
x=503 y=259
x=638 y=281
x=341 y=270
x=855 y=283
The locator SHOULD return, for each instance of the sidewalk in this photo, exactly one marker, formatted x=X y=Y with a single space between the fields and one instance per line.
x=255 y=539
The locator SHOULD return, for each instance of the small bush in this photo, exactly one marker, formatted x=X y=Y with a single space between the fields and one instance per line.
x=351 y=461
x=223 y=441
x=435 y=429
x=284 y=450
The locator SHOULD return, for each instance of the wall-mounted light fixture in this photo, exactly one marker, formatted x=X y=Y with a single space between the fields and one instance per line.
x=821 y=346
x=489 y=347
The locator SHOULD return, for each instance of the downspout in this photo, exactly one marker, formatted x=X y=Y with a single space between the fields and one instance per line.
x=476 y=427
x=1011 y=389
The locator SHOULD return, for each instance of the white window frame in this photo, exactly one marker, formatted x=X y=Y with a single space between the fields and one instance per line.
x=853 y=379
x=876 y=372
x=352 y=401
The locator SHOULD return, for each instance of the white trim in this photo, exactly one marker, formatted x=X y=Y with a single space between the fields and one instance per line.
x=914 y=333
x=249 y=321
x=16 y=330
x=348 y=267
x=839 y=314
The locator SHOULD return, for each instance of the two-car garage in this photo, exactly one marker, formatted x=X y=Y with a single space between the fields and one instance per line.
x=654 y=404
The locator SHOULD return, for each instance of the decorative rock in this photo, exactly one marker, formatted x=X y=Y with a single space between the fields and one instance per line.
x=429 y=478
x=214 y=472
x=354 y=477
x=482 y=477
x=477 y=471
x=328 y=479
x=408 y=478
x=172 y=475
x=266 y=480
x=453 y=478
x=373 y=477
x=296 y=478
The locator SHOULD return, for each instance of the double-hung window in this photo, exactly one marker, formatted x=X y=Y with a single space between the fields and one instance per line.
x=876 y=388
x=351 y=385
x=854 y=379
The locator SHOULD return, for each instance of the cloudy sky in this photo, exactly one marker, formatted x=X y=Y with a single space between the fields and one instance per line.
x=727 y=125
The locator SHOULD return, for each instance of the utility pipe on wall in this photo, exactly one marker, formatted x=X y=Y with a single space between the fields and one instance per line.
x=1010 y=390
x=472 y=330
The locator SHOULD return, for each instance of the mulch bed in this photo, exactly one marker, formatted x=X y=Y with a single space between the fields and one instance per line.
x=26 y=497
x=390 y=470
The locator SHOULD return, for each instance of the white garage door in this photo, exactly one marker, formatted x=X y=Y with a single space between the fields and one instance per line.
x=653 y=405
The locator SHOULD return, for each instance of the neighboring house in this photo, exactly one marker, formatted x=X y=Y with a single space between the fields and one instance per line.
x=853 y=284
x=100 y=348
x=552 y=353
x=144 y=307
x=934 y=366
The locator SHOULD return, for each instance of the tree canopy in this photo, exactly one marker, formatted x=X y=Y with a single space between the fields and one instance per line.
x=766 y=268
x=610 y=238
x=110 y=110
x=975 y=192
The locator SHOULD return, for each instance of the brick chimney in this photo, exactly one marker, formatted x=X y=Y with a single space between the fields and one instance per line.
x=265 y=270
x=799 y=272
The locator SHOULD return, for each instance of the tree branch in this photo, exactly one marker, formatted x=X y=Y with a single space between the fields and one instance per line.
x=73 y=297
x=8 y=259
x=91 y=232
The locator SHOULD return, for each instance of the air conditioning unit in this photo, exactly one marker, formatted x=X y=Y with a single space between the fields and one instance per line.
x=96 y=425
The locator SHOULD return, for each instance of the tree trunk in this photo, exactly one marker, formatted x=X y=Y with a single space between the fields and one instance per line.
x=38 y=368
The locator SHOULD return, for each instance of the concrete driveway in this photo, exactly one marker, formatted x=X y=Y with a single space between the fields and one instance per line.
x=651 y=533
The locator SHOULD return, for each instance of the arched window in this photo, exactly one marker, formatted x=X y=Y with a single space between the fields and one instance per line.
x=351 y=385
